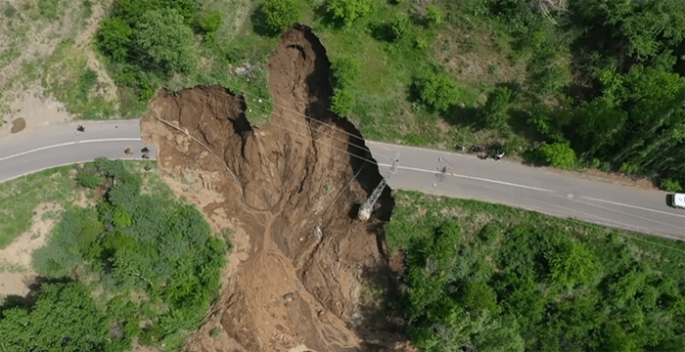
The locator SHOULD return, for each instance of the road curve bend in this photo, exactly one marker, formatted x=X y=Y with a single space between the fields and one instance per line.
x=420 y=169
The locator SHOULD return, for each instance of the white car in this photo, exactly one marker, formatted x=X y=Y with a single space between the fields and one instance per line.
x=678 y=200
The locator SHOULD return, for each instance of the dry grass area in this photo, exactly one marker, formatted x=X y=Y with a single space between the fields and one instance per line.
x=45 y=50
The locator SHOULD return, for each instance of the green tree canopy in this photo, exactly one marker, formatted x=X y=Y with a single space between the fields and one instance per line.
x=278 y=15
x=166 y=40
x=63 y=319
x=439 y=91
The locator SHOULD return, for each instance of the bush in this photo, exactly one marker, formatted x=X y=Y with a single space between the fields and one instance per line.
x=209 y=22
x=89 y=179
x=345 y=72
x=342 y=102
x=348 y=11
x=166 y=41
x=670 y=185
x=559 y=155
x=278 y=15
x=439 y=92
x=495 y=109
x=434 y=15
x=400 y=25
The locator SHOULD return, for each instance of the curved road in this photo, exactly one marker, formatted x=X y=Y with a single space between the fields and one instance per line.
x=538 y=189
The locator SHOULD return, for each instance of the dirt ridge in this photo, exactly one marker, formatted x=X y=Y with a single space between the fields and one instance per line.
x=291 y=290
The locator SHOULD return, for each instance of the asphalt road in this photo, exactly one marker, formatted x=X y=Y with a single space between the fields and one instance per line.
x=419 y=169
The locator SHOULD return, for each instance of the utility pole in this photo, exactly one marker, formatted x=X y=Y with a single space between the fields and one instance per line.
x=367 y=207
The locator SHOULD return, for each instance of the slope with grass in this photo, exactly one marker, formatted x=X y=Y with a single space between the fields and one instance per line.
x=492 y=278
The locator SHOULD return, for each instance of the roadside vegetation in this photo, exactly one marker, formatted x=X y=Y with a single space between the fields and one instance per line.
x=140 y=266
x=485 y=277
x=569 y=84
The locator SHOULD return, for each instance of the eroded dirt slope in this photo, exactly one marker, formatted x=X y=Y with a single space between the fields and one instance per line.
x=289 y=287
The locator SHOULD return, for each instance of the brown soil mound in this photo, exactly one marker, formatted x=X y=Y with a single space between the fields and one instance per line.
x=18 y=125
x=288 y=287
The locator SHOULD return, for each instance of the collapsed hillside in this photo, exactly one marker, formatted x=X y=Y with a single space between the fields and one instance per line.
x=289 y=287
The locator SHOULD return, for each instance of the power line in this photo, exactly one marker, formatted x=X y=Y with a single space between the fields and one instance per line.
x=246 y=94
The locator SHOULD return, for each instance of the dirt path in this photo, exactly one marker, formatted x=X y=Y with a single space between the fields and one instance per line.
x=287 y=288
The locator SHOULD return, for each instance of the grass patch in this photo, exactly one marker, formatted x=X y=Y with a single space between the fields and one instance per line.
x=67 y=77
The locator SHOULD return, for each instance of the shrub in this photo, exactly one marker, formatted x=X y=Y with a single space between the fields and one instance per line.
x=670 y=185
x=400 y=26
x=9 y=11
x=559 y=155
x=495 y=109
x=434 y=15
x=166 y=41
x=209 y=22
x=278 y=15
x=346 y=72
x=438 y=91
x=348 y=11
x=89 y=179
x=342 y=102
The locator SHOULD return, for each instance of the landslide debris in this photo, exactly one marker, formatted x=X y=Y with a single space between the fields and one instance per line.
x=288 y=287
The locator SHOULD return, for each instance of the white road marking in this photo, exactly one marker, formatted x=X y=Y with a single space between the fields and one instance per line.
x=72 y=143
x=474 y=178
x=633 y=206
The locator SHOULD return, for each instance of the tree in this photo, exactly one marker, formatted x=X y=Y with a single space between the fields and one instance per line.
x=348 y=11
x=346 y=71
x=278 y=15
x=64 y=318
x=342 y=102
x=166 y=41
x=439 y=92
x=559 y=155
x=495 y=109
x=573 y=264
x=114 y=38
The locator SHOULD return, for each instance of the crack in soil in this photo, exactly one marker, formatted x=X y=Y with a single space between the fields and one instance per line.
x=283 y=174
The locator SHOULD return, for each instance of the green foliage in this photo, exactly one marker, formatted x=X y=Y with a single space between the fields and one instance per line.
x=552 y=284
x=574 y=264
x=439 y=92
x=342 y=102
x=399 y=26
x=209 y=22
x=89 y=179
x=132 y=242
x=348 y=11
x=64 y=318
x=559 y=155
x=278 y=15
x=434 y=15
x=166 y=41
x=114 y=38
x=670 y=185
x=346 y=71
x=495 y=109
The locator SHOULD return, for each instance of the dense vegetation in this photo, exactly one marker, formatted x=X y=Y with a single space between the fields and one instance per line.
x=486 y=277
x=596 y=84
x=138 y=265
